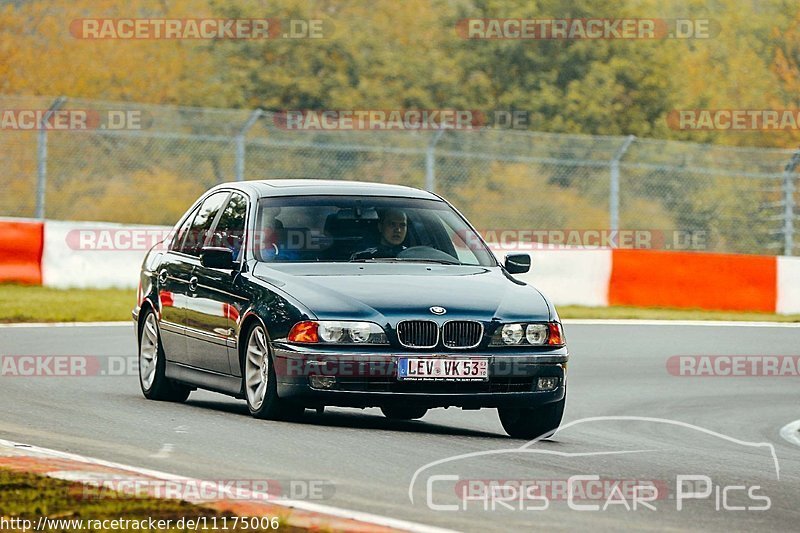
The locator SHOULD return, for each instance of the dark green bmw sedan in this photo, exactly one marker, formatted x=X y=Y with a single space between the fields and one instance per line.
x=295 y=294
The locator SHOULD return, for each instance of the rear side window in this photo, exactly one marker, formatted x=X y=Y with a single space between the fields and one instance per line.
x=180 y=236
x=229 y=231
x=197 y=233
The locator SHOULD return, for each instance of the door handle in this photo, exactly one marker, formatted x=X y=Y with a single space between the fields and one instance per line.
x=193 y=284
x=162 y=276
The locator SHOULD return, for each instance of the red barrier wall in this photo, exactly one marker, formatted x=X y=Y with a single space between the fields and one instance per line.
x=21 y=244
x=728 y=282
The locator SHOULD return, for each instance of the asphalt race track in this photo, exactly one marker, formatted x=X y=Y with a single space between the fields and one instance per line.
x=616 y=370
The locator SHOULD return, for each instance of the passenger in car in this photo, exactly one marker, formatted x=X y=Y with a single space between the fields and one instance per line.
x=271 y=238
x=392 y=230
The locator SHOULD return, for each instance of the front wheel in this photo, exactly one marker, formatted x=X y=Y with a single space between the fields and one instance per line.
x=260 y=383
x=525 y=423
x=152 y=365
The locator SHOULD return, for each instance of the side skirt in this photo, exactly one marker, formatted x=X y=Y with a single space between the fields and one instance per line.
x=204 y=379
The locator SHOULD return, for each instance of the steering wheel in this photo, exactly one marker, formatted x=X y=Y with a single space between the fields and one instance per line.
x=425 y=252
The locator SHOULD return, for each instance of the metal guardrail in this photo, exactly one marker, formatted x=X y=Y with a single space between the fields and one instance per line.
x=739 y=199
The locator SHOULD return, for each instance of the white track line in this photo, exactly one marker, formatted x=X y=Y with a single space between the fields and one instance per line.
x=359 y=516
x=791 y=432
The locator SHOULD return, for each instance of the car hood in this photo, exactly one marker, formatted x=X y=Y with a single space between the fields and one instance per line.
x=384 y=292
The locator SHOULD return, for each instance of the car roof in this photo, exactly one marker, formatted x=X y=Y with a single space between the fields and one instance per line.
x=309 y=187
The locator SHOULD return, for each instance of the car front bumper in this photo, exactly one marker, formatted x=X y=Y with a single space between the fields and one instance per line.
x=369 y=379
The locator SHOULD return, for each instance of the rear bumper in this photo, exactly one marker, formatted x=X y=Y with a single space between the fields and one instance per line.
x=370 y=379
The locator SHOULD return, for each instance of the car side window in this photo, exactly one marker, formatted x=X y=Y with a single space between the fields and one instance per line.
x=179 y=237
x=201 y=224
x=229 y=231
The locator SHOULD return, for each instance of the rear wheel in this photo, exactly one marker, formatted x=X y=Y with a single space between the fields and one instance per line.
x=524 y=423
x=152 y=364
x=260 y=384
x=403 y=412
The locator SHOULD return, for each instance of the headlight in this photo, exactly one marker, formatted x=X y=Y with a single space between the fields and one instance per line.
x=336 y=332
x=529 y=334
x=536 y=334
x=331 y=331
x=512 y=333
x=362 y=331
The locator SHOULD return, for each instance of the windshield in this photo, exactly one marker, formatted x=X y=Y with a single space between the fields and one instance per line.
x=365 y=229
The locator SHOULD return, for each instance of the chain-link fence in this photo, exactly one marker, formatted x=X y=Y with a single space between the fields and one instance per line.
x=146 y=163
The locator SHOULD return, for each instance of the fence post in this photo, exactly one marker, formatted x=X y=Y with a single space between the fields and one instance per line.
x=240 y=143
x=41 y=157
x=430 y=162
x=788 y=204
x=613 y=200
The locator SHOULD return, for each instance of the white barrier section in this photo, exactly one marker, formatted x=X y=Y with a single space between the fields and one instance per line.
x=788 y=285
x=569 y=277
x=95 y=255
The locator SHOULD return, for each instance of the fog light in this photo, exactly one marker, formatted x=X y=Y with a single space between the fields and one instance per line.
x=547 y=383
x=322 y=382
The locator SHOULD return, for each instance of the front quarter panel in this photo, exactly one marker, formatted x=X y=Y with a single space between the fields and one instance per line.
x=275 y=309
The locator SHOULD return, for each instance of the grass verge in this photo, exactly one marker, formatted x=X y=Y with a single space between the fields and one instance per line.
x=25 y=496
x=20 y=303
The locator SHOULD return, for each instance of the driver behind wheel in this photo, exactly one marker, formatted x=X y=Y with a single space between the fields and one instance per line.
x=392 y=229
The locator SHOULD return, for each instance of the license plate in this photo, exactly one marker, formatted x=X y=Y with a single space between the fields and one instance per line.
x=411 y=368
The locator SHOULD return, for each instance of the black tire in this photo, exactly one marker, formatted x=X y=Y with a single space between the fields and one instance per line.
x=403 y=412
x=271 y=407
x=522 y=423
x=160 y=388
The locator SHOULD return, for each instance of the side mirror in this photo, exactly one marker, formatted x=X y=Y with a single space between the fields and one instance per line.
x=214 y=257
x=518 y=263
